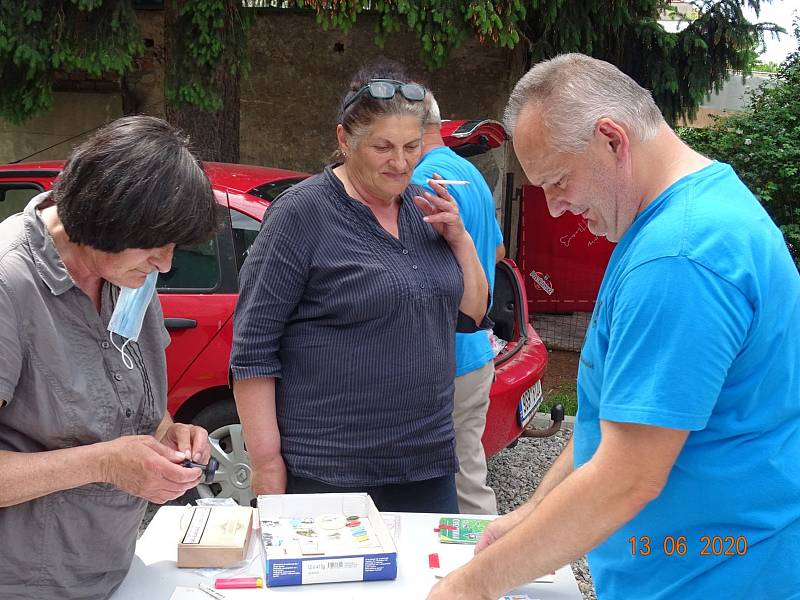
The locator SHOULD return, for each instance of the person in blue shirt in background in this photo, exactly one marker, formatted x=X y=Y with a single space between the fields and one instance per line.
x=682 y=477
x=474 y=354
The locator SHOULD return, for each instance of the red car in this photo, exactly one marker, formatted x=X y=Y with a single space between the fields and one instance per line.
x=199 y=294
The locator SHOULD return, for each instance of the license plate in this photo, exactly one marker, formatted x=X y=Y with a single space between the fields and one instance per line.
x=531 y=399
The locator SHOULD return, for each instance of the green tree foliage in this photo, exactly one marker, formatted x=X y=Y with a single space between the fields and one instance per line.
x=209 y=47
x=206 y=56
x=763 y=145
x=208 y=41
x=39 y=38
x=680 y=68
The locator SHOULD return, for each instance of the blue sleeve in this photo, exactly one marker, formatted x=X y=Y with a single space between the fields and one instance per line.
x=421 y=174
x=271 y=284
x=468 y=205
x=675 y=329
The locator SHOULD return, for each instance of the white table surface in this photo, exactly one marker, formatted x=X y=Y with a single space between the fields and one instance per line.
x=154 y=575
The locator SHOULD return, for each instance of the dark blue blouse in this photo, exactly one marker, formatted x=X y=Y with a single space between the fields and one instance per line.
x=358 y=329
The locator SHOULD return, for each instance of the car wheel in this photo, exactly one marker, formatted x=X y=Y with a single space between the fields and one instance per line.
x=233 y=477
x=216 y=415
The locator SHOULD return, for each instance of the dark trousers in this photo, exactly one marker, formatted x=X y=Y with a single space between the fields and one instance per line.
x=436 y=495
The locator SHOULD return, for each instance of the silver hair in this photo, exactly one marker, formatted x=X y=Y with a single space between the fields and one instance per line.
x=575 y=91
x=433 y=115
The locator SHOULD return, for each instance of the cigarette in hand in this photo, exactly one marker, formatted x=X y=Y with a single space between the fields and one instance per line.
x=450 y=181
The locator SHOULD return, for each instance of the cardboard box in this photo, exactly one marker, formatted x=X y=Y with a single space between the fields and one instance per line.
x=214 y=536
x=289 y=561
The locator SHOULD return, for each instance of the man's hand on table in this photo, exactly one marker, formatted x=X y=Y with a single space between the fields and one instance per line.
x=497 y=529
x=144 y=467
x=459 y=585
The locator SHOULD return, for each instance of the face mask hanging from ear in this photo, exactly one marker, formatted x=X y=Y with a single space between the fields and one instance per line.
x=126 y=320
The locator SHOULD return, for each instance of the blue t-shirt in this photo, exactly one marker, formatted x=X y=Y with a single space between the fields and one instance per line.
x=476 y=206
x=697 y=327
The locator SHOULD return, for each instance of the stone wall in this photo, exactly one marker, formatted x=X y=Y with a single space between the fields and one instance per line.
x=300 y=72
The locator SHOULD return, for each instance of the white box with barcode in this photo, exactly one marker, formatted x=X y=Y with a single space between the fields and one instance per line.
x=324 y=538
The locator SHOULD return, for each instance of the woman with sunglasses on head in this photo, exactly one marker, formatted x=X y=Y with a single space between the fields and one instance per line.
x=343 y=352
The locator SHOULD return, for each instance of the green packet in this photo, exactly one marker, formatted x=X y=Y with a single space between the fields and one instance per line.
x=459 y=530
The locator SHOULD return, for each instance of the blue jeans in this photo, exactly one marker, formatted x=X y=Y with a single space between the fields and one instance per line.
x=436 y=495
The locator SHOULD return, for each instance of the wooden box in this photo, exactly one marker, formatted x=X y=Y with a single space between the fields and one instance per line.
x=214 y=536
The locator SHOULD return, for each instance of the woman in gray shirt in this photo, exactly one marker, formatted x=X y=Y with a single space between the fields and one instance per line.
x=85 y=440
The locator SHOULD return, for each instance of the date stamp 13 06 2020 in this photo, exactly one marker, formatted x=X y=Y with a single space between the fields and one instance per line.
x=708 y=545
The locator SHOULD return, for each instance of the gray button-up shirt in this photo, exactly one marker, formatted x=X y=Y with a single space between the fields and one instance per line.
x=66 y=386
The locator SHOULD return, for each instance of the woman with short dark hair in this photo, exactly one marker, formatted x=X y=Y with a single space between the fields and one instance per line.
x=135 y=184
x=343 y=353
x=85 y=439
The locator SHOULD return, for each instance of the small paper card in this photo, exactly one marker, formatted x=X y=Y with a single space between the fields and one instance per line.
x=460 y=530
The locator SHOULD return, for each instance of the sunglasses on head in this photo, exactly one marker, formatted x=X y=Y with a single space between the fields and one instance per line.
x=385 y=89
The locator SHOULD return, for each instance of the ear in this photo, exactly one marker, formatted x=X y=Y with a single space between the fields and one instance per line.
x=341 y=137
x=613 y=137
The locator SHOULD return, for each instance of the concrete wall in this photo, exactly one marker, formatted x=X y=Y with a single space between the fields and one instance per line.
x=733 y=97
x=72 y=114
x=735 y=92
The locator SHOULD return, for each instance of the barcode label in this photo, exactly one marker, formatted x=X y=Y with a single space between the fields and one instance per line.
x=325 y=571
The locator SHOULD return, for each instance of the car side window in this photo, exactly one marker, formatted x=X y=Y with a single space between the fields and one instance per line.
x=245 y=229
x=14 y=197
x=195 y=267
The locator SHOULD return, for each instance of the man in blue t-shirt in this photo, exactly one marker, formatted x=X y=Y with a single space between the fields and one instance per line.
x=474 y=355
x=682 y=477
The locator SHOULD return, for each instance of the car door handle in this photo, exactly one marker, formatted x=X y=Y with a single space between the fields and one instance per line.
x=179 y=323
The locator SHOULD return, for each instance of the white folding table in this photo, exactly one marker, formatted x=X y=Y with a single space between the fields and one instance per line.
x=154 y=574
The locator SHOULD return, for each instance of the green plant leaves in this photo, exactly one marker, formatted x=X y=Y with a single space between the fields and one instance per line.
x=210 y=41
x=763 y=146
x=39 y=38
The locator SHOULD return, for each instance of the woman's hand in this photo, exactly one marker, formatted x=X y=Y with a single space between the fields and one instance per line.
x=145 y=467
x=190 y=440
x=441 y=211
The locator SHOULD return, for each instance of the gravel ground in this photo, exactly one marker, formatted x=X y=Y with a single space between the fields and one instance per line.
x=514 y=474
